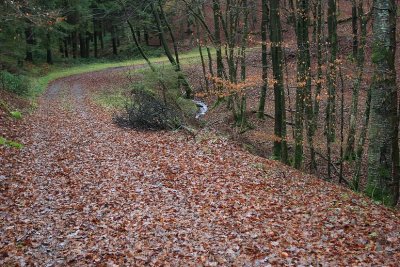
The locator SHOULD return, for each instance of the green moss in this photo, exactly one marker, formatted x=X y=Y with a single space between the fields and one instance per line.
x=16 y=114
x=377 y=192
x=379 y=53
x=187 y=105
x=9 y=143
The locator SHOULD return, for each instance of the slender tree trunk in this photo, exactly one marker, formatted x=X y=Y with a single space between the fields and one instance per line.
x=95 y=38
x=114 y=40
x=383 y=152
x=61 y=47
x=82 y=45
x=74 y=39
x=292 y=13
x=142 y=53
x=264 y=58
x=210 y=61
x=203 y=64
x=217 y=37
x=303 y=92
x=243 y=102
x=318 y=88
x=49 y=57
x=146 y=37
x=354 y=27
x=117 y=36
x=101 y=35
x=331 y=106
x=66 y=54
x=30 y=41
x=361 y=142
x=350 y=147
x=280 y=144
x=182 y=78
x=341 y=178
x=171 y=34
x=87 y=44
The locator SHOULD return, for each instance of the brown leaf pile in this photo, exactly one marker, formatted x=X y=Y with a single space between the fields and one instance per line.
x=85 y=192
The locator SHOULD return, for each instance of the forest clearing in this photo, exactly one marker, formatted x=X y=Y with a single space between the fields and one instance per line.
x=199 y=133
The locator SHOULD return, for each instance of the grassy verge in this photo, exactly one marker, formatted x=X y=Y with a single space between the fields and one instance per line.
x=41 y=83
x=111 y=100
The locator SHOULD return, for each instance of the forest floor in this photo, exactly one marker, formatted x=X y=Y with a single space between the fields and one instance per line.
x=84 y=191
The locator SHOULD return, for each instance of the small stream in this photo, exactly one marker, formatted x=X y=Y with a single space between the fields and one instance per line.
x=202 y=108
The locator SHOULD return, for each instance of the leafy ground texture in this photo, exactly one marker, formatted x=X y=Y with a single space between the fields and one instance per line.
x=84 y=191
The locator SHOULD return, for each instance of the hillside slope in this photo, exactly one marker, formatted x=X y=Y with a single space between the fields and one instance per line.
x=85 y=192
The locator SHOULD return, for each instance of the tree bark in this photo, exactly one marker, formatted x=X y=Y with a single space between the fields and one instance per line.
x=49 y=56
x=303 y=92
x=30 y=41
x=264 y=58
x=331 y=105
x=66 y=53
x=181 y=76
x=280 y=144
x=95 y=38
x=114 y=40
x=354 y=27
x=383 y=152
x=74 y=40
x=350 y=147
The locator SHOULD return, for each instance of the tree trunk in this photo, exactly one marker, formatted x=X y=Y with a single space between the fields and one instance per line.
x=30 y=41
x=74 y=40
x=95 y=37
x=350 y=147
x=280 y=144
x=203 y=64
x=182 y=78
x=66 y=53
x=142 y=53
x=217 y=37
x=82 y=45
x=114 y=40
x=101 y=35
x=318 y=88
x=331 y=105
x=171 y=34
x=303 y=92
x=117 y=36
x=383 y=152
x=243 y=102
x=354 y=27
x=87 y=44
x=264 y=58
x=49 y=57
x=361 y=142
x=146 y=37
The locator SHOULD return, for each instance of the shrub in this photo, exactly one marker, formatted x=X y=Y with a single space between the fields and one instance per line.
x=150 y=112
x=157 y=102
x=17 y=84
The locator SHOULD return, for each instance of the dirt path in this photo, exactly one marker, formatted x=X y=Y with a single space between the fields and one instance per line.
x=85 y=192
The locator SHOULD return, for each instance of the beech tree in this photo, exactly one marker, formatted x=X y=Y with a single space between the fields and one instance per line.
x=383 y=152
x=303 y=92
x=331 y=79
x=280 y=144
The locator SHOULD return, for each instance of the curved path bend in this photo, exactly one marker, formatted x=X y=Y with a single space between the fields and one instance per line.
x=85 y=192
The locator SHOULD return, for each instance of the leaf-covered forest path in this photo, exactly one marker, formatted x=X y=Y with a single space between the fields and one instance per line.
x=84 y=191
